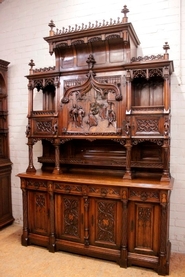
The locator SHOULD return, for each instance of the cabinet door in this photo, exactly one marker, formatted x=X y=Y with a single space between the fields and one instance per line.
x=106 y=223
x=69 y=217
x=144 y=228
x=38 y=212
x=5 y=199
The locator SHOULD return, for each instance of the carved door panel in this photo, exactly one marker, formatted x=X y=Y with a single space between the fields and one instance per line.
x=5 y=196
x=69 y=217
x=150 y=125
x=105 y=221
x=144 y=228
x=38 y=211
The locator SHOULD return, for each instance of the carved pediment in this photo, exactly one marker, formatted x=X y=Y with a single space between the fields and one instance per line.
x=91 y=104
x=92 y=83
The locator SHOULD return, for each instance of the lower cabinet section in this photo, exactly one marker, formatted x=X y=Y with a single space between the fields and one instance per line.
x=5 y=195
x=114 y=220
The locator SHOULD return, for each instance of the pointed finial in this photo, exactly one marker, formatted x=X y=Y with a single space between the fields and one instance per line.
x=166 y=47
x=125 y=11
x=31 y=64
x=51 y=25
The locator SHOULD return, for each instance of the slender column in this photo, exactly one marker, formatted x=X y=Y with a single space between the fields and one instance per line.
x=57 y=92
x=50 y=188
x=166 y=172
x=30 y=98
x=124 y=252
x=128 y=92
x=31 y=167
x=24 y=238
x=166 y=90
x=30 y=89
x=57 y=169
x=128 y=174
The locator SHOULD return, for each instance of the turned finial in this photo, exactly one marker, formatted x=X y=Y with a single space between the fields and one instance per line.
x=166 y=47
x=31 y=64
x=51 y=25
x=125 y=11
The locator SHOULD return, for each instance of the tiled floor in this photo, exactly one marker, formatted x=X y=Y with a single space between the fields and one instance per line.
x=32 y=261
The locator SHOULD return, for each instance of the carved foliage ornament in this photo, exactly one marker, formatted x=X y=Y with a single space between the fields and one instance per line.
x=106 y=219
x=71 y=219
x=144 y=195
x=147 y=125
x=44 y=126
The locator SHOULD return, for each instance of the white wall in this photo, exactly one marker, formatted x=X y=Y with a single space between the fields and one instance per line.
x=24 y=23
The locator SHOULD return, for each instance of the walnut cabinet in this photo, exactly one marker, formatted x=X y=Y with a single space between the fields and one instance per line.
x=102 y=115
x=5 y=163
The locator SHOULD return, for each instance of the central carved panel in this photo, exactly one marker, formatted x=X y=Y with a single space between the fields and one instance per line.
x=91 y=106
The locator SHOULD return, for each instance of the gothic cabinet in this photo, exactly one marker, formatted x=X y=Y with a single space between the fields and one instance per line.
x=104 y=186
x=5 y=163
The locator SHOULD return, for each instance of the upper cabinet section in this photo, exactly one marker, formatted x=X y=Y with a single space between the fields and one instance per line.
x=4 y=146
x=111 y=43
x=99 y=86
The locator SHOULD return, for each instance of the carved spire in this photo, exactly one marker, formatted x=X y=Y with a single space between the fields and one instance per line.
x=51 y=25
x=31 y=64
x=125 y=11
x=166 y=47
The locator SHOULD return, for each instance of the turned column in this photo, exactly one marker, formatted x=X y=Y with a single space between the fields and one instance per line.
x=166 y=90
x=166 y=171
x=57 y=169
x=30 y=89
x=31 y=167
x=128 y=92
x=128 y=174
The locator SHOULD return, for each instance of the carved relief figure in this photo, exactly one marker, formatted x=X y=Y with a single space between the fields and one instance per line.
x=103 y=111
x=77 y=114
x=92 y=120
x=111 y=117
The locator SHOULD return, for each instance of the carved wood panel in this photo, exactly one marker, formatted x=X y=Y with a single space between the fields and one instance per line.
x=104 y=221
x=91 y=105
x=144 y=228
x=143 y=125
x=69 y=217
x=38 y=210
